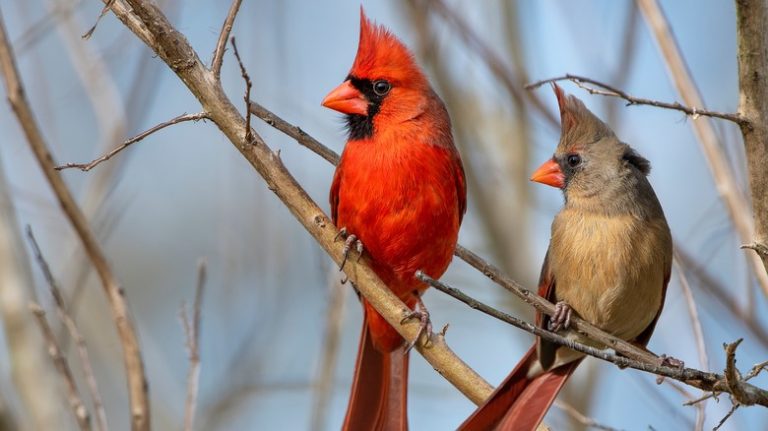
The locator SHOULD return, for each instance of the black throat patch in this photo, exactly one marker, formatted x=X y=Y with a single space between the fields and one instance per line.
x=361 y=126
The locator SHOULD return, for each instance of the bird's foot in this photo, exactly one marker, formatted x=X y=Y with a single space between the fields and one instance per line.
x=350 y=240
x=562 y=317
x=668 y=361
x=425 y=325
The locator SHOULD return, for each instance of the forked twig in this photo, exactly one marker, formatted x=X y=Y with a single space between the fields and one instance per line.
x=611 y=91
x=85 y=167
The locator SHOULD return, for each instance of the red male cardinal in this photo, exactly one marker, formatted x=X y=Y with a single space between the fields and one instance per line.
x=400 y=191
x=608 y=261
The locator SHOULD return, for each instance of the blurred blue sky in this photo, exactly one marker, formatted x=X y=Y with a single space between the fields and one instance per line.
x=185 y=192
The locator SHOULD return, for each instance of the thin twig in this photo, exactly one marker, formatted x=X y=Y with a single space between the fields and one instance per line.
x=581 y=417
x=611 y=91
x=75 y=402
x=103 y=12
x=221 y=44
x=760 y=249
x=247 y=97
x=192 y=336
x=134 y=366
x=85 y=167
x=727 y=415
x=74 y=333
x=294 y=132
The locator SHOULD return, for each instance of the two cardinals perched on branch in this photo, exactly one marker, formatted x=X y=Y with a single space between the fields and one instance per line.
x=399 y=196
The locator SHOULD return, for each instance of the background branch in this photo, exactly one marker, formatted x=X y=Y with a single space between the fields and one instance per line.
x=60 y=361
x=74 y=333
x=192 y=335
x=137 y=385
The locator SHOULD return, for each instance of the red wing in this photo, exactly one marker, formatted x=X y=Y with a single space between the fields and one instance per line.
x=547 y=291
x=461 y=186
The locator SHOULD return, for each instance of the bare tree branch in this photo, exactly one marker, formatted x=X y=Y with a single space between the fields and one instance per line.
x=30 y=368
x=751 y=22
x=611 y=91
x=174 y=50
x=134 y=366
x=73 y=396
x=85 y=167
x=192 y=335
x=221 y=44
x=74 y=333
x=727 y=186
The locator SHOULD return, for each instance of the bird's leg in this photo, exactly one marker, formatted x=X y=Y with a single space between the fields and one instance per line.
x=349 y=241
x=425 y=325
x=562 y=317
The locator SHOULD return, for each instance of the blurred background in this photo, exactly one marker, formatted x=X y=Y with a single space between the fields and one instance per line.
x=279 y=333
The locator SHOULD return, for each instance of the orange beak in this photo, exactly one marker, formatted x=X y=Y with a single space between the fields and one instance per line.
x=549 y=173
x=346 y=99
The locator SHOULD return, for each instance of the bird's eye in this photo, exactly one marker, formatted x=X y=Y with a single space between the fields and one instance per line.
x=381 y=87
x=574 y=160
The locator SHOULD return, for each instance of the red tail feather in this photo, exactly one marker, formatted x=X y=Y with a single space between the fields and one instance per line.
x=520 y=403
x=378 y=399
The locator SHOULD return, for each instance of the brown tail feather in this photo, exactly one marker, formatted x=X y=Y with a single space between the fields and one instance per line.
x=378 y=400
x=520 y=403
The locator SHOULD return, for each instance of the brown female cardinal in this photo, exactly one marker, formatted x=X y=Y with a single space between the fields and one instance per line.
x=608 y=262
x=400 y=191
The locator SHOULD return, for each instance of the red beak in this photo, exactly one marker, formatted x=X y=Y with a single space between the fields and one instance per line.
x=549 y=173
x=346 y=99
